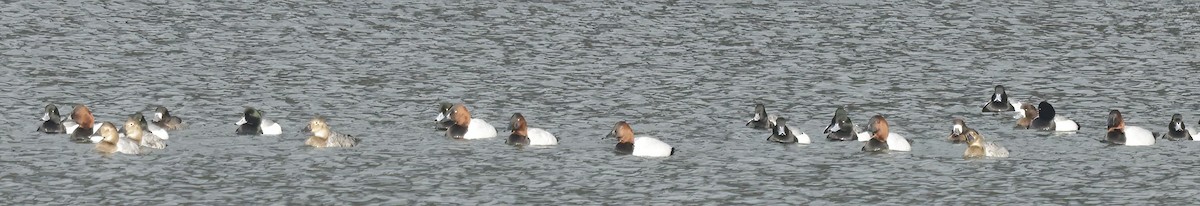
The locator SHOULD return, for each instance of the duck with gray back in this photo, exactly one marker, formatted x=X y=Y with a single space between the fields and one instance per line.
x=52 y=121
x=759 y=121
x=1176 y=130
x=840 y=127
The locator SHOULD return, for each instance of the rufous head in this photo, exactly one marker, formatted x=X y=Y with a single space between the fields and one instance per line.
x=83 y=116
x=460 y=115
x=517 y=124
x=1115 y=121
x=878 y=126
x=622 y=132
x=109 y=132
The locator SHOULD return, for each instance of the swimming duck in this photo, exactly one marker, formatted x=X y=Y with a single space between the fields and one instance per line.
x=999 y=102
x=164 y=120
x=522 y=134
x=112 y=142
x=253 y=123
x=1120 y=134
x=52 y=121
x=841 y=128
x=465 y=127
x=957 y=133
x=883 y=140
x=638 y=146
x=759 y=121
x=781 y=133
x=1046 y=119
x=1176 y=130
x=135 y=130
x=443 y=113
x=83 y=125
x=323 y=137
x=977 y=148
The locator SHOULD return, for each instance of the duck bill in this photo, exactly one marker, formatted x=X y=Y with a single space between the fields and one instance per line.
x=833 y=127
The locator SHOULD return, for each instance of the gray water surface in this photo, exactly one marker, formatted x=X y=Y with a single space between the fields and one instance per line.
x=686 y=72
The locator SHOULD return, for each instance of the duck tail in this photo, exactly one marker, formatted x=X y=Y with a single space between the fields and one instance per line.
x=672 y=151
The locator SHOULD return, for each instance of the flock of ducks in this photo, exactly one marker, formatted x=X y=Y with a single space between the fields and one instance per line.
x=137 y=135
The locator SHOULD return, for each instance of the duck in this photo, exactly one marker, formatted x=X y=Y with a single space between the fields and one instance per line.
x=1120 y=134
x=1047 y=120
x=1025 y=116
x=957 y=132
x=112 y=142
x=323 y=137
x=842 y=129
x=52 y=121
x=135 y=130
x=523 y=135
x=1176 y=130
x=999 y=102
x=643 y=146
x=253 y=123
x=158 y=132
x=465 y=127
x=881 y=139
x=83 y=124
x=163 y=119
x=977 y=148
x=443 y=113
x=781 y=133
x=759 y=121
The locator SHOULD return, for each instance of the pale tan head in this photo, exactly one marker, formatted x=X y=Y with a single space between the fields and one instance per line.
x=133 y=127
x=518 y=125
x=974 y=139
x=109 y=132
x=318 y=126
x=622 y=132
x=878 y=128
x=83 y=116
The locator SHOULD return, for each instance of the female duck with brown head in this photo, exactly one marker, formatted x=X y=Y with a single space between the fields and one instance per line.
x=523 y=135
x=882 y=139
x=464 y=127
x=978 y=148
x=135 y=129
x=324 y=137
x=112 y=142
x=643 y=146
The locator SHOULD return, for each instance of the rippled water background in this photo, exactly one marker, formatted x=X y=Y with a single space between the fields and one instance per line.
x=686 y=72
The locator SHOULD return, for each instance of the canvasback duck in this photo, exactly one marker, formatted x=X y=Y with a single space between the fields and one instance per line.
x=323 y=137
x=443 y=113
x=977 y=148
x=638 y=146
x=781 y=133
x=841 y=128
x=759 y=121
x=883 y=140
x=52 y=121
x=1048 y=120
x=135 y=130
x=253 y=123
x=957 y=132
x=465 y=127
x=158 y=132
x=1176 y=130
x=1120 y=134
x=112 y=142
x=999 y=102
x=163 y=119
x=83 y=126
x=523 y=135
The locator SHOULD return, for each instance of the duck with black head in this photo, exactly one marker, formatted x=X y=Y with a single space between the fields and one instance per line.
x=465 y=127
x=1121 y=134
x=842 y=129
x=253 y=123
x=882 y=139
x=52 y=122
x=523 y=135
x=978 y=148
x=1176 y=130
x=1000 y=102
x=759 y=121
x=781 y=133
x=643 y=146
x=1048 y=120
